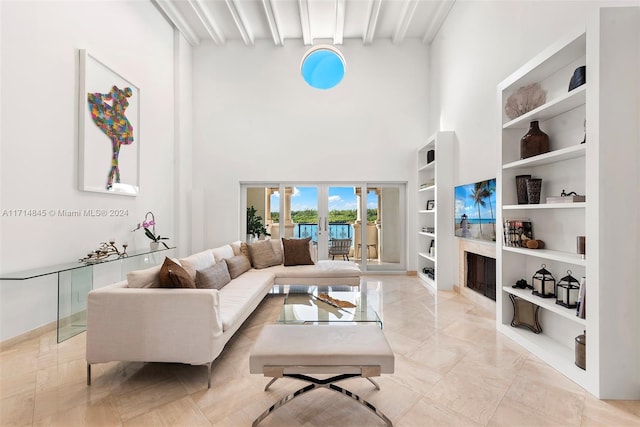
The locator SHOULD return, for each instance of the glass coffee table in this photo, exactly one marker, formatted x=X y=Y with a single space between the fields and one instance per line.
x=311 y=307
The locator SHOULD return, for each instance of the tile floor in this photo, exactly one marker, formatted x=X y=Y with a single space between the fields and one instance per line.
x=452 y=368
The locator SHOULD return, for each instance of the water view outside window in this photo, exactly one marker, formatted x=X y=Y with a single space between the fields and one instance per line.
x=342 y=212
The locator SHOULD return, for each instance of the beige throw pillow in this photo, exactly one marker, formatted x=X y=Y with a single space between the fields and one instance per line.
x=262 y=254
x=238 y=265
x=148 y=278
x=214 y=277
x=296 y=251
x=276 y=244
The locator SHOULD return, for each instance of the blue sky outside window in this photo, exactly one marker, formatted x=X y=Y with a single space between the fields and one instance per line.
x=323 y=68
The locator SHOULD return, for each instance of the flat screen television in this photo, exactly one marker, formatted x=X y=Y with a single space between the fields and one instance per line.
x=475 y=210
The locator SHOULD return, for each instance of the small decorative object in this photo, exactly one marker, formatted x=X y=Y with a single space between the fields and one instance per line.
x=534 y=142
x=534 y=186
x=431 y=204
x=579 y=78
x=570 y=197
x=521 y=189
x=464 y=226
x=255 y=227
x=582 y=246
x=335 y=302
x=432 y=248
x=156 y=239
x=522 y=284
x=581 y=306
x=104 y=251
x=581 y=347
x=431 y=156
x=430 y=272
x=535 y=244
x=525 y=314
x=567 y=291
x=524 y=100
x=543 y=283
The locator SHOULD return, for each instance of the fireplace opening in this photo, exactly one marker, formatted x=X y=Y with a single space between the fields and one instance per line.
x=481 y=275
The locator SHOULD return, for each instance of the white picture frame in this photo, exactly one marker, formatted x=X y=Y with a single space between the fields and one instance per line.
x=101 y=159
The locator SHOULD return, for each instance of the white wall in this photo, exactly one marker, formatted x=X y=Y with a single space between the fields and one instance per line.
x=40 y=42
x=255 y=119
x=479 y=45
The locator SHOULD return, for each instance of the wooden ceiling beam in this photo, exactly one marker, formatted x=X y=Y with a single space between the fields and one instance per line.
x=338 y=34
x=273 y=22
x=242 y=26
x=176 y=18
x=304 y=22
x=207 y=20
x=372 y=21
x=408 y=10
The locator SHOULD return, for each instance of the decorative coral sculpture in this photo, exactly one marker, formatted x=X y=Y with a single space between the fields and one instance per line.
x=524 y=100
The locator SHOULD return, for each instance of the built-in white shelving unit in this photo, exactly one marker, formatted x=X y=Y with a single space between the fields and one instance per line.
x=435 y=220
x=605 y=169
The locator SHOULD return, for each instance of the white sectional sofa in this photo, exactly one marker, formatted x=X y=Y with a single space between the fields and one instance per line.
x=133 y=320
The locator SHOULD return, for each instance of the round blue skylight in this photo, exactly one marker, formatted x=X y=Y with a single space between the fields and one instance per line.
x=322 y=67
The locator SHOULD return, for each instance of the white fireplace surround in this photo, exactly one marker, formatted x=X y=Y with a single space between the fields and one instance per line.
x=487 y=249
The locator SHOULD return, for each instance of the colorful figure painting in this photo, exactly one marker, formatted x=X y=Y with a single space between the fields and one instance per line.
x=112 y=121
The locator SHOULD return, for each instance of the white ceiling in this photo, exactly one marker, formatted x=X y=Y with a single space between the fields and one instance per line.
x=311 y=21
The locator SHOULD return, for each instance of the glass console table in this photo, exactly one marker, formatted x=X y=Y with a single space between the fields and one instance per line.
x=75 y=280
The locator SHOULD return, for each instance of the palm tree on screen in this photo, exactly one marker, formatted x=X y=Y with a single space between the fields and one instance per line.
x=478 y=196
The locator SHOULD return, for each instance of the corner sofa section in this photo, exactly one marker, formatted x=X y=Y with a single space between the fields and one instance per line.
x=191 y=326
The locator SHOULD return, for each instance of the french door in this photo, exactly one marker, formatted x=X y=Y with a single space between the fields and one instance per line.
x=368 y=217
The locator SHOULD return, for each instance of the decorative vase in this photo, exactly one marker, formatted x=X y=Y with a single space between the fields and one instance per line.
x=534 y=142
x=534 y=185
x=579 y=78
x=521 y=189
x=154 y=246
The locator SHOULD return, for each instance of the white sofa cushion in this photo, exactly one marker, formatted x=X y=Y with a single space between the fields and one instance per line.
x=198 y=261
x=324 y=268
x=223 y=252
x=241 y=294
x=148 y=278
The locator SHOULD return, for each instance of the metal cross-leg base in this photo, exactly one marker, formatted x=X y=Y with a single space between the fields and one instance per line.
x=273 y=380
x=322 y=383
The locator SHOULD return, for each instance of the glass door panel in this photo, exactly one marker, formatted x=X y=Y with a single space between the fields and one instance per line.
x=342 y=204
x=383 y=247
x=262 y=200
x=371 y=226
x=301 y=203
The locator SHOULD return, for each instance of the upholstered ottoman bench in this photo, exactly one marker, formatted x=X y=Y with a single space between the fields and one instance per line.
x=345 y=351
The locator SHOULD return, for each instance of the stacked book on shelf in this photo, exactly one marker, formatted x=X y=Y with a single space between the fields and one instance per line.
x=429 y=183
x=517 y=231
x=581 y=307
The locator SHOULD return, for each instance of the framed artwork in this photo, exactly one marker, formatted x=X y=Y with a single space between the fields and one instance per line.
x=431 y=205
x=108 y=129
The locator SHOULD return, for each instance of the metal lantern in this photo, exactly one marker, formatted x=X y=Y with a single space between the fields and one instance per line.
x=544 y=285
x=567 y=291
